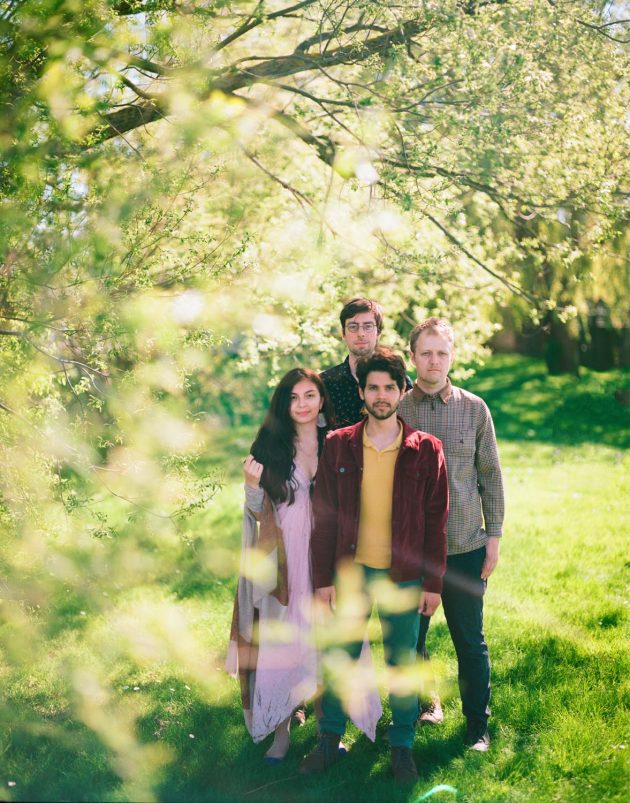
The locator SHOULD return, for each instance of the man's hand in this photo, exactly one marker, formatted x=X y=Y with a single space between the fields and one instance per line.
x=492 y=557
x=429 y=603
x=252 y=471
x=327 y=596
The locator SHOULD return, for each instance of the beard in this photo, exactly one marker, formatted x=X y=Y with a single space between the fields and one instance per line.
x=381 y=413
x=362 y=351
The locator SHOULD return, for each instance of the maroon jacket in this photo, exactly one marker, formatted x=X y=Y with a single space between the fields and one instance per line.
x=419 y=508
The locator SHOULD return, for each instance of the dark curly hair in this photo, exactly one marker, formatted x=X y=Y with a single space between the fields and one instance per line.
x=383 y=359
x=274 y=445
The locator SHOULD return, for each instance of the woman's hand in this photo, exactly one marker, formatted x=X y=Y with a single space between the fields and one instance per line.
x=252 y=471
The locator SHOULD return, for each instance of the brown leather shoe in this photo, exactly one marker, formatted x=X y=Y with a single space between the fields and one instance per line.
x=403 y=766
x=322 y=756
x=432 y=714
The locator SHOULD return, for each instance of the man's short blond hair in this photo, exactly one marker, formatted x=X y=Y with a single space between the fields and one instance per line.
x=438 y=326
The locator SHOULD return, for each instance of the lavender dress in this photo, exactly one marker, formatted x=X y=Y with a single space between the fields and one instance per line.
x=287 y=665
x=286 y=670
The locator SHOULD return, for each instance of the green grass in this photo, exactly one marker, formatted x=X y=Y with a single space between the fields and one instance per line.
x=528 y=405
x=556 y=621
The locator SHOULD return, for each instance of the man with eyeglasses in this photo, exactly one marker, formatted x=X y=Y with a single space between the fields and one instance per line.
x=361 y=324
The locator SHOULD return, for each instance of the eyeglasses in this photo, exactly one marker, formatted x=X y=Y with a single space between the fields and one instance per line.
x=355 y=327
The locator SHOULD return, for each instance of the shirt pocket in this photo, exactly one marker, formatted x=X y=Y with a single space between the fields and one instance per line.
x=460 y=454
x=462 y=444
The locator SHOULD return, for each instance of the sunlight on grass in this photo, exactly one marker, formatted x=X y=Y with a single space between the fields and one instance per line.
x=116 y=675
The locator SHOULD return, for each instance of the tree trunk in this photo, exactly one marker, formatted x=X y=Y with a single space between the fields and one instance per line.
x=561 y=347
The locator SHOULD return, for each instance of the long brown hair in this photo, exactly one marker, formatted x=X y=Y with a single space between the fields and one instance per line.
x=274 y=445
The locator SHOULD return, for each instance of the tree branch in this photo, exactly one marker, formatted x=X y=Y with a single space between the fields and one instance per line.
x=326 y=37
x=600 y=29
x=299 y=196
x=458 y=243
x=257 y=19
x=320 y=101
x=65 y=361
x=136 y=89
x=232 y=79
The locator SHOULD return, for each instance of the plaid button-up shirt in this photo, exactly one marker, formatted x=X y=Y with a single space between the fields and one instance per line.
x=463 y=423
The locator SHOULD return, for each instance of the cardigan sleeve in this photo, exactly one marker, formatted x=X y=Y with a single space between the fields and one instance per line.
x=254 y=498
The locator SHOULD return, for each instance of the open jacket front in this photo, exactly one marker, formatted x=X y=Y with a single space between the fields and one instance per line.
x=419 y=509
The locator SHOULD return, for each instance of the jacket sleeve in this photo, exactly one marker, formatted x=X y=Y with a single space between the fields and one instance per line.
x=436 y=518
x=325 y=510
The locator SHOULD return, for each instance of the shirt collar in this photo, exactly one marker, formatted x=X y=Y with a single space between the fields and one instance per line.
x=392 y=446
x=444 y=394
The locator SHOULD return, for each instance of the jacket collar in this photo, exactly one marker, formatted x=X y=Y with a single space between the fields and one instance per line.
x=444 y=394
x=356 y=437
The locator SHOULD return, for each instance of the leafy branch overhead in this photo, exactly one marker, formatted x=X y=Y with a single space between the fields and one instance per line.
x=487 y=123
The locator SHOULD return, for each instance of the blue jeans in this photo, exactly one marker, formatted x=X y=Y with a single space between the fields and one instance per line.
x=400 y=636
x=462 y=600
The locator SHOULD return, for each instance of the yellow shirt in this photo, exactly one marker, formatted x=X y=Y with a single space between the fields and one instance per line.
x=374 y=547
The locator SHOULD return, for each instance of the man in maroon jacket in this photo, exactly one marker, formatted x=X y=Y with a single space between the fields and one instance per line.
x=380 y=506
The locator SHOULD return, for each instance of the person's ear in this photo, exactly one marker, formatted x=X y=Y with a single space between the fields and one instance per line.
x=361 y=394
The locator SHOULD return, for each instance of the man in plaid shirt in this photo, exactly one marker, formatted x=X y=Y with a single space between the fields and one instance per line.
x=463 y=423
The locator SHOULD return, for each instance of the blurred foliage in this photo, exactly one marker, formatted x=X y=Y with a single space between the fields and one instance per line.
x=188 y=191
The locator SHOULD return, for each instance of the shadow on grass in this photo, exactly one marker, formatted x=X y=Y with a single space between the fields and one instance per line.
x=230 y=768
x=528 y=404
x=55 y=759
x=558 y=691
x=538 y=678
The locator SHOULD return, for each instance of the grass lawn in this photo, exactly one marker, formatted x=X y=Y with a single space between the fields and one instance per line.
x=92 y=721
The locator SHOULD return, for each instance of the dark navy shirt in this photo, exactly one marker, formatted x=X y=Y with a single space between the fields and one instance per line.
x=343 y=390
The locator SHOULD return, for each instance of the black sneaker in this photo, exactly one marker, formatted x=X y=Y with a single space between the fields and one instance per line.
x=322 y=756
x=403 y=766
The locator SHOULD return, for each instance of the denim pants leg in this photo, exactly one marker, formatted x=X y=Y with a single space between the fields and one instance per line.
x=462 y=599
x=400 y=636
x=334 y=717
x=400 y=639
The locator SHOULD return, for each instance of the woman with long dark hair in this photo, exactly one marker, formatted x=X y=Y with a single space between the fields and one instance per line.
x=271 y=643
